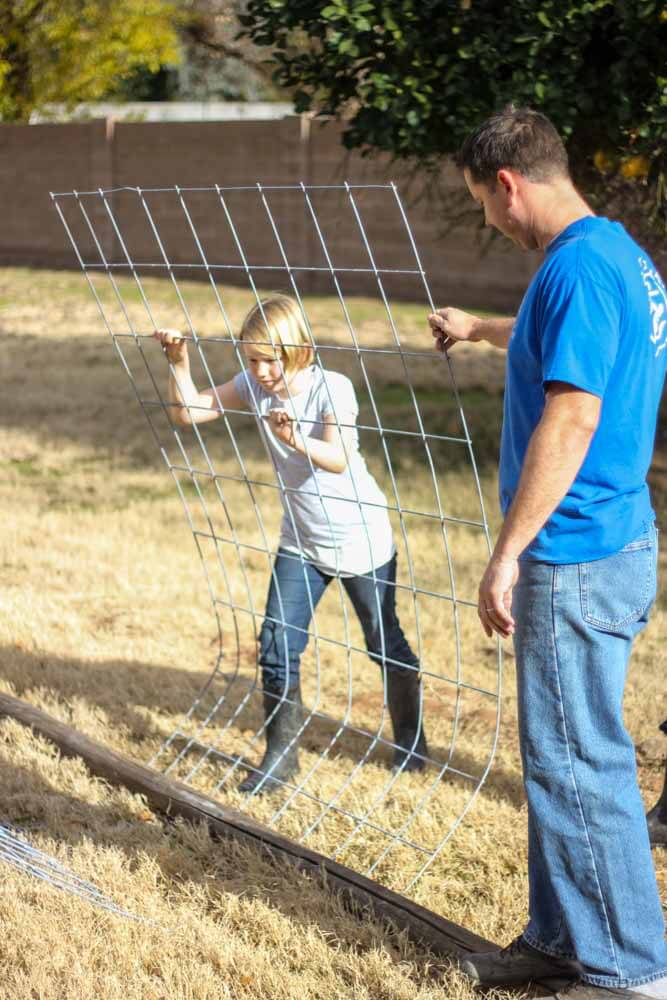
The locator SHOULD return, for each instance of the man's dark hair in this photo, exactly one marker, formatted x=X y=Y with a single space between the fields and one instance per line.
x=514 y=139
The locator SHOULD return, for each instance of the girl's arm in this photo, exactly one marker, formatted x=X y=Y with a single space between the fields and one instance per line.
x=330 y=452
x=189 y=406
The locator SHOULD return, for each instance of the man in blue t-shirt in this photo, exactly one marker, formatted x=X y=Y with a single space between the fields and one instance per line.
x=573 y=573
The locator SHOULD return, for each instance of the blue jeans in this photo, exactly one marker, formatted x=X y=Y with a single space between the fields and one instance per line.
x=295 y=591
x=592 y=887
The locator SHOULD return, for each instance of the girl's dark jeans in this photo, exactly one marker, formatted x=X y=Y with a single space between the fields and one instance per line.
x=294 y=593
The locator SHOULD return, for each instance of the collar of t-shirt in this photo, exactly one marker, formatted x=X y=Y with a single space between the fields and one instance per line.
x=574 y=230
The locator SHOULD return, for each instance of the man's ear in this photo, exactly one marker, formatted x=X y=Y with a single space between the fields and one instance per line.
x=507 y=181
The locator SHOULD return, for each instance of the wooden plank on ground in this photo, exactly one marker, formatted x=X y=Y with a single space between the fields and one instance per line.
x=176 y=799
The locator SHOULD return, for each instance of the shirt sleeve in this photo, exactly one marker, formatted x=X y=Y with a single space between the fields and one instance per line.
x=580 y=332
x=243 y=387
x=338 y=396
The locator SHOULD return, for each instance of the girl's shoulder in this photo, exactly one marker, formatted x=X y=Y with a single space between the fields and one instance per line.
x=325 y=376
x=335 y=390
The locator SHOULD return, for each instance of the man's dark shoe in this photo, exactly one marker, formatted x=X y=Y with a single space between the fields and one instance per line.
x=517 y=963
x=580 y=990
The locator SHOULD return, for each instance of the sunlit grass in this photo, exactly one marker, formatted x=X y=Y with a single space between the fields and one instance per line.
x=106 y=622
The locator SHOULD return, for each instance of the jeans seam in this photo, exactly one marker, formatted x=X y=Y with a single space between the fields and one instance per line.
x=573 y=778
x=546 y=949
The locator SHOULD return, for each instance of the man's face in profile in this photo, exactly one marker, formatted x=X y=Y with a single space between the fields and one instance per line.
x=502 y=207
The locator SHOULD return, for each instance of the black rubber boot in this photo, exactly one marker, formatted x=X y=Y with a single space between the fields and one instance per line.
x=403 y=704
x=283 y=725
x=657 y=817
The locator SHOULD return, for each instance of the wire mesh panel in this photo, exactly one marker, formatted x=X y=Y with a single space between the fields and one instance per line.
x=353 y=797
x=16 y=851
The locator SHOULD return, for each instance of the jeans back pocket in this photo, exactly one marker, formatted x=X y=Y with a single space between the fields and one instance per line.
x=619 y=589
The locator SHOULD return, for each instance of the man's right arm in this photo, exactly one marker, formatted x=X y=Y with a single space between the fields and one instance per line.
x=450 y=326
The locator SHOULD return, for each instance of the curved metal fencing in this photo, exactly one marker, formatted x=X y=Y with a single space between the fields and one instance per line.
x=346 y=801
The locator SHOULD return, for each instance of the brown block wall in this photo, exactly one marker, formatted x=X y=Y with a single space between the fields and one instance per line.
x=37 y=159
x=33 y=161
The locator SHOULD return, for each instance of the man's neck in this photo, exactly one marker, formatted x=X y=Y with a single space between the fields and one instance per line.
x=557 y=209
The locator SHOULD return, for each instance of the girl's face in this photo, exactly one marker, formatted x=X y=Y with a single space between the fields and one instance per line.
x=265 y=367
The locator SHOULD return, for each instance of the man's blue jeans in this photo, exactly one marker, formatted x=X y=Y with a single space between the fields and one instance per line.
x=294 y=593
x=593 y=893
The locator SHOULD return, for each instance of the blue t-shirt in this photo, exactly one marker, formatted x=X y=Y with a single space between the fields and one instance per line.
x=595 y=316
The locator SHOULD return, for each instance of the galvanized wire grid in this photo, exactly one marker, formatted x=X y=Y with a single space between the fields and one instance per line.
x=17 y=852
x=345 y=796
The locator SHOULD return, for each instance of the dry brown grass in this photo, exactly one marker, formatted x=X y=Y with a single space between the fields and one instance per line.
x=106 y=623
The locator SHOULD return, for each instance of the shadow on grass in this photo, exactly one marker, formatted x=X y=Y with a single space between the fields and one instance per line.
x=122 y=690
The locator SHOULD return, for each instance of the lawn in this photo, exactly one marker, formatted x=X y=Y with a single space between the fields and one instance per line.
x=107 y=624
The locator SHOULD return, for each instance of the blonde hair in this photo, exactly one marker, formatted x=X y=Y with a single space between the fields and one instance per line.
x=279 y=321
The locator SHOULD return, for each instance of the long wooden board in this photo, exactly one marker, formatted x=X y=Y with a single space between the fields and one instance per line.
x=175 y=799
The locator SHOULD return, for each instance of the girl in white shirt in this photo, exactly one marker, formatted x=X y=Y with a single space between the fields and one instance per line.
x=335 y=523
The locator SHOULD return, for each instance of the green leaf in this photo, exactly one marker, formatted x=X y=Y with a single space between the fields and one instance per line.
x=348 y=47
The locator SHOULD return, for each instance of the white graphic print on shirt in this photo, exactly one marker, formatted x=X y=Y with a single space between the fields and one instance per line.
x=657 y=303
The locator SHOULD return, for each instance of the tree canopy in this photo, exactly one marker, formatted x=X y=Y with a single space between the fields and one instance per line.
x=66 y=51
x=413 y=77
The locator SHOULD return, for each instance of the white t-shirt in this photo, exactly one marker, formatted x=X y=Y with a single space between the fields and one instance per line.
x=336 y=520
